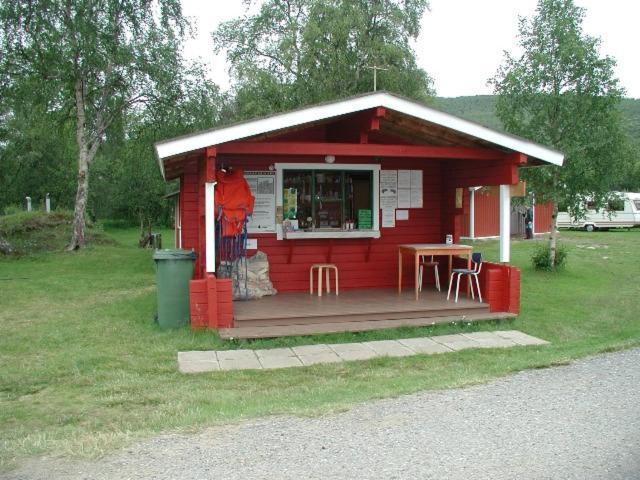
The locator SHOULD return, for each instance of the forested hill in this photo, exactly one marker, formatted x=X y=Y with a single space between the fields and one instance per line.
x=481 y=108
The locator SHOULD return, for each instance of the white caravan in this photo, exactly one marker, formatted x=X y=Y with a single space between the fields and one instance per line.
x=622 y=213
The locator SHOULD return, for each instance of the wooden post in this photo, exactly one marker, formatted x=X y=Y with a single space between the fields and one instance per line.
x=399 y=270
x=533 y=216
x=472 y=213
x=505 y=223
x=209 y=210
x=416 y=267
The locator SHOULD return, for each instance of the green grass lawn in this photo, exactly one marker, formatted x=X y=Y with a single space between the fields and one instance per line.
x=84 y=370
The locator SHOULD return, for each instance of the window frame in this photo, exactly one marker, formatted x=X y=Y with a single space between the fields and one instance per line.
x=375 y=204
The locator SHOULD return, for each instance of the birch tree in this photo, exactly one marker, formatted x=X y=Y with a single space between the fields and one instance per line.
x=97 y=58
x=292 y=53
x=563 y=93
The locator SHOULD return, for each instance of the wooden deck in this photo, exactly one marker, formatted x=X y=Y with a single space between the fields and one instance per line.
x=353 y=310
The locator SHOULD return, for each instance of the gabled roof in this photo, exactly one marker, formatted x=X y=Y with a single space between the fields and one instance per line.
x=188 y=143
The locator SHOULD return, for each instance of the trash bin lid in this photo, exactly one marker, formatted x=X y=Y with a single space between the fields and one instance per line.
x=174 y=254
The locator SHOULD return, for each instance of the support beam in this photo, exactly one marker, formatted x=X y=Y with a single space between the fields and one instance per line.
x=178 y=222
x=210 y=168
x=505 y=223
x=209 y=227
x=533 y=215
x=371 y=123
x=472 y=212
x=359 y=150
x=209 y=210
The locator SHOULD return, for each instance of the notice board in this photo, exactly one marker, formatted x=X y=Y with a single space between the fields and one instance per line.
x=263 y=188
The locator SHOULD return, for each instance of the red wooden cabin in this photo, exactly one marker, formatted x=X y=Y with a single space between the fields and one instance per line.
x=362 y=144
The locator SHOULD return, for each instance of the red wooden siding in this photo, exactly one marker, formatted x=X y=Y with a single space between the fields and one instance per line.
x=210 y=302
x=487 y=214
x=192 y=208
x=362 y=263
x=542 y=217
x=199 y=304
x=499 y=284
x=189 y=206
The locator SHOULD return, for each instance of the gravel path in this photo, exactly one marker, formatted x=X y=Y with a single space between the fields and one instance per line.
x=576 y=422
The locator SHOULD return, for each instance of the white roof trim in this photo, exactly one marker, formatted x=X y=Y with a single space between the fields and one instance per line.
x=177 y=146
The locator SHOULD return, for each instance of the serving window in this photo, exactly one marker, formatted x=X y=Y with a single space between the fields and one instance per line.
x=327 y=200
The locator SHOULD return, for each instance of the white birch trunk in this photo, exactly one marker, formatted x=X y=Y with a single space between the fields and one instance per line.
x=553 y=236
x=86 y=152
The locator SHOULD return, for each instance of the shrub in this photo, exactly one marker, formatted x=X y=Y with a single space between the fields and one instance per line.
x=542 y=261
x=13 y=209
x=24 y=221
x=24 y=233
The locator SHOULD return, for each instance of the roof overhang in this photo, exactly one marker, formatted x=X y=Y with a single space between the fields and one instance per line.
x=196 y=141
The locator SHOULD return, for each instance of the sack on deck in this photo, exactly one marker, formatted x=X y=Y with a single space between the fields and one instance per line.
x=253 y=282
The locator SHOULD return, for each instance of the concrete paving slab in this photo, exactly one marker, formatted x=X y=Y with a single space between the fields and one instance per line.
x=198 y=366
x=238 y=360
x=389 y=348
x=456 y=342
x=236 y=355
x=322 y=357
x=353 y=351
x=521 y=338
x=280 y=362
x=490 y=340
x=275 y=353
x=197 y=356
x=311 y=349
x=424 y=345
x=208 y=361
x=241 y=364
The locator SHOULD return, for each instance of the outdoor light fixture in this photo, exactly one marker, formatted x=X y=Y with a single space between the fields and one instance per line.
x=329 y=158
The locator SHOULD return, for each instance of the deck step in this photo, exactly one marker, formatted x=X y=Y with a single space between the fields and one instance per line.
x=269 y=331
x=358 y=317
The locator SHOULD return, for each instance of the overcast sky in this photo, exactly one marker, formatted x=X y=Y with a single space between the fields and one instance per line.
x=462 y=41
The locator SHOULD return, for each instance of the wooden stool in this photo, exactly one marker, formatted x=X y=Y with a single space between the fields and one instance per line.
x=320 y=267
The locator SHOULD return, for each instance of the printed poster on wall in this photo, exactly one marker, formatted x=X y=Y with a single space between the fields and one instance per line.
x=404 y=188
x=290 y=203
x=404 y=198
x=388 y=189
x=388 y=217
x=404 y=179
x=263 y=188
x=416 y=189
x=402 y=214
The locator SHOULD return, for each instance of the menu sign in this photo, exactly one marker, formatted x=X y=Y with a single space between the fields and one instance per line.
x=263 y=188
x=388 y=189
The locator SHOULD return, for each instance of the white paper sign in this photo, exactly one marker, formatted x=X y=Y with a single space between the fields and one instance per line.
x=252 y=243
x=416 y=188
x=416 y=179
x=416 y=198
x=388 y=189
x=263 y=188
x=388 y=218
x=402 y=214
x=404 y=179
x=404 y=198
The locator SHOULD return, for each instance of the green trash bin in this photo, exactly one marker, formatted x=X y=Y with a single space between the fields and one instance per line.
x=174 y=269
